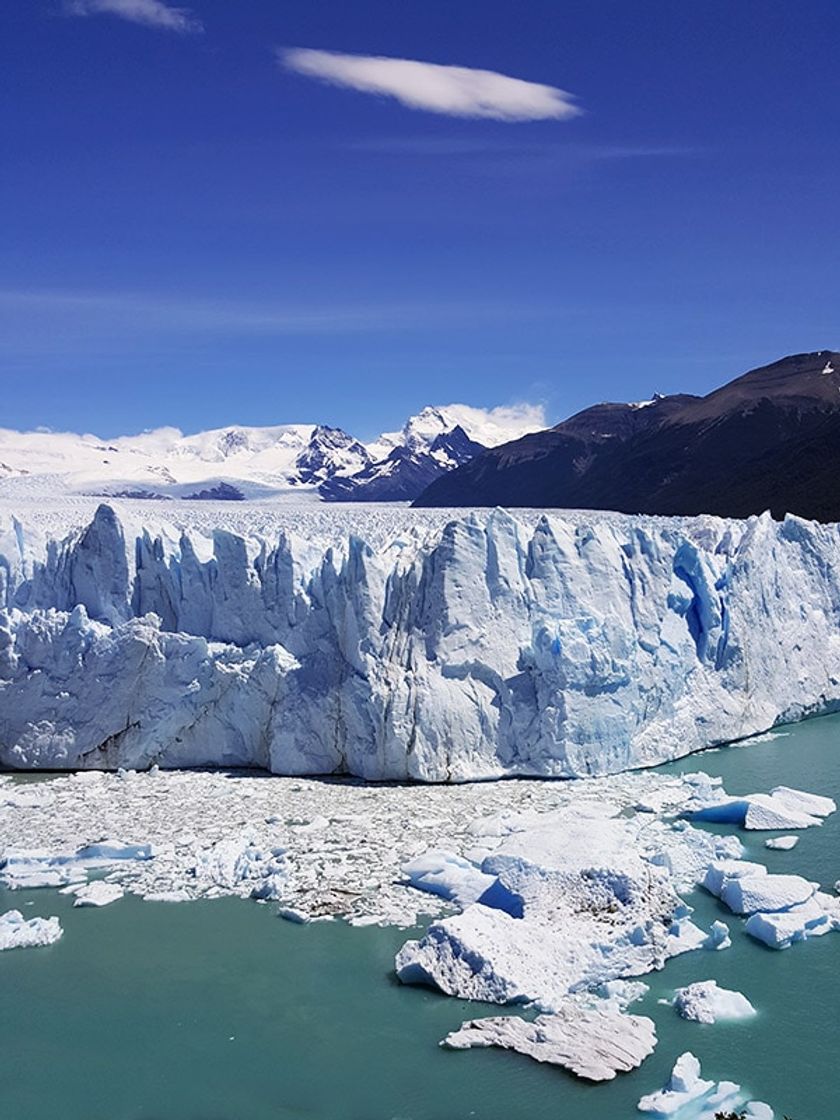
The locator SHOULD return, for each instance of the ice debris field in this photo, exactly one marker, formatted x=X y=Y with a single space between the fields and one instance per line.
x=390 y=645
x=393 y=645
x=554 y=897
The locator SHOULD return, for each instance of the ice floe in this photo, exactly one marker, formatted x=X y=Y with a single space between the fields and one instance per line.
x=97 y=893
x=782 y=843
x=748 y=894
x=199 y=834
x=594 y=1044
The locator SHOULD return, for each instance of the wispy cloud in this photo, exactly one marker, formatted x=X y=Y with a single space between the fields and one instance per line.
x=455 y=91
x=42 y=314
x=468 y=146
x=150 y=13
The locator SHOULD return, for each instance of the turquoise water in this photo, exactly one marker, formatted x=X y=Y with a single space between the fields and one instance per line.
x=221 y=1011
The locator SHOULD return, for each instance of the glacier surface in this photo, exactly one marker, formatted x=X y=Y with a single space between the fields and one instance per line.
x=484 y=646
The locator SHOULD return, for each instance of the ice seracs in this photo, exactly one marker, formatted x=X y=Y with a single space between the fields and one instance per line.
x=18 y=933
x=489 y=646
x=706 y=1002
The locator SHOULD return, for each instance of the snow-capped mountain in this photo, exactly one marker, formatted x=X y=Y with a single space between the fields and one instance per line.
x=298 y=461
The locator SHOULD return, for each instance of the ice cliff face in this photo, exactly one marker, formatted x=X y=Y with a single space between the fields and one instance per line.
x=489 y=648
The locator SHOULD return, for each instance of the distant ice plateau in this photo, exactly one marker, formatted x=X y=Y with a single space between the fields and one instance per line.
x=394 y=644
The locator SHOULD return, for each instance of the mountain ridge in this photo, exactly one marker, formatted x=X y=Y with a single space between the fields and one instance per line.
x=767 y=440
x=292 y=461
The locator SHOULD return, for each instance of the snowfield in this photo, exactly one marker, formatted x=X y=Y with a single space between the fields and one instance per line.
x=400 y=644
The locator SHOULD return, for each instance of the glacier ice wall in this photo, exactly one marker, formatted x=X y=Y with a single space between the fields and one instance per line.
x=491 y=647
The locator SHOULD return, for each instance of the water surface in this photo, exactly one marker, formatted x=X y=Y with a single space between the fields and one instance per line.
x=221 y=1011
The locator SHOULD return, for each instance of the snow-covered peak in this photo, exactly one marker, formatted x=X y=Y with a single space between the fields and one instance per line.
x=294 y=460
x=487 y=426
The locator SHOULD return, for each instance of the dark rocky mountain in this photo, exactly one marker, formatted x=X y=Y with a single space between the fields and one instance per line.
x=329 y=450
x=405 y=472
x=767 y=440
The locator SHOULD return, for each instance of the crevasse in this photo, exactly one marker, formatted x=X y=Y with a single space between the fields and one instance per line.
x=492 y=647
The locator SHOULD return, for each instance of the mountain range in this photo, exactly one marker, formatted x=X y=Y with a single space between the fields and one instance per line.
x=291 y=461
x=769 y=440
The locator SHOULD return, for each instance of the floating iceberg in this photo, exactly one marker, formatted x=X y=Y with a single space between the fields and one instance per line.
x=706 y=1002
x=575 y=902
x=594 y=1044
x=28 y=868
x=750 y=894
x=491 y=646
x=782 y=843
x=782 y=808
x=688 y=1097
x=18 y=933
x=779 y=930
x=97 y=894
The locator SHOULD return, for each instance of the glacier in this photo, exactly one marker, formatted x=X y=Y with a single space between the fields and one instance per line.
x=480 y=646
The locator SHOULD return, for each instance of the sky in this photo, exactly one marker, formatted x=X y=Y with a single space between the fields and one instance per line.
x=270 y=211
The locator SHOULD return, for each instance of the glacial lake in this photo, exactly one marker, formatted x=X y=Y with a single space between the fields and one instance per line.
x=221 y=1011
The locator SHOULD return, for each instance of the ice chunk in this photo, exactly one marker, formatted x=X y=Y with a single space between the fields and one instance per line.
x=98 y=893
x=108 y=851
x=18 y=933
x=721 y=871
x=576 y=903
x=595 y=1045
x=718 y=937
x=27 y=868
x=240 y=861
x=619 y=994
x=688 y=1097
x=449 y=876
x=779 y=930
x=782 y=843
x=783 y=808
x=766 y=812
x=685 y=1086
x=705 y=1002
x=758 y=1110
x=751 y=893
x=801 y=802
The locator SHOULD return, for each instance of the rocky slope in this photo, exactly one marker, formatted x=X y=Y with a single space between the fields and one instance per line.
x=769 y=440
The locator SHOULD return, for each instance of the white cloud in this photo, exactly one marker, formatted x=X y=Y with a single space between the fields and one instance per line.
x=150 y=13
x=455 y=91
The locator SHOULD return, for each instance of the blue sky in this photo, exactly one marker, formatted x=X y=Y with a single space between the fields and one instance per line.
x=198 y=230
